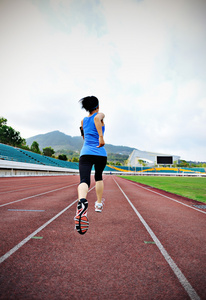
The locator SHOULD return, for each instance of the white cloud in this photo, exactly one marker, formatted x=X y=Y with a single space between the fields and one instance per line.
x=144 y=60
x=138 y=37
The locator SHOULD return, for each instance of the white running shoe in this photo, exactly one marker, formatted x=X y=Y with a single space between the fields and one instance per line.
x=99 y=206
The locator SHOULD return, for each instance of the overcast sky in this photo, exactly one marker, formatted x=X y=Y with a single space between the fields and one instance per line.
x=144 y=60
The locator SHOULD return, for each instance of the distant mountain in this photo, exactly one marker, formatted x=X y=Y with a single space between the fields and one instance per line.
x=60 y=141
x=57 y=140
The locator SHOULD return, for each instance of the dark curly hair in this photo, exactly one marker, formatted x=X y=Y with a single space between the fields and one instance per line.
x=89 y=103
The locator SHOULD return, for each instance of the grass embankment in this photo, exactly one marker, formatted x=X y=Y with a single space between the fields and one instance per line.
x=190 y=187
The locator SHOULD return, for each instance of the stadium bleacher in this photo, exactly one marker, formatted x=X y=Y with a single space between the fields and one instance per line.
x=147 y=170
x=20 y=155
x=12 y=154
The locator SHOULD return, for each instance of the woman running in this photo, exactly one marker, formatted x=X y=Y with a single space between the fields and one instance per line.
x=92 y=153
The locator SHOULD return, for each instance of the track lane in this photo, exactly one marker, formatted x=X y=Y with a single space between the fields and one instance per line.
x=110 y=261
x=23 y=188
x=182 y=279
x=179 y=199
x=25 y=215
x=12 y=182
x=16 y=225
x=181 y=230
x=31 y=189
x=37 y=195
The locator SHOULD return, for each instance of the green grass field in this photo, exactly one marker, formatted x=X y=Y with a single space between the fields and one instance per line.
x=190 y=187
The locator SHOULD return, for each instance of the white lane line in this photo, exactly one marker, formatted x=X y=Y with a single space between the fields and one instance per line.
x=25 y=188
x=35 y=210
x=182 y=279
x=5 y=204
x=15 y=248
x=149 y=189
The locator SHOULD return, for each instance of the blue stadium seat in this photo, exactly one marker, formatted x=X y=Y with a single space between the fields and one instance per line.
x=20 y=155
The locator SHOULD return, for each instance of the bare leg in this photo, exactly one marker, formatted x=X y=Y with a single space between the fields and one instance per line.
x=82 y=190
x=99 y=190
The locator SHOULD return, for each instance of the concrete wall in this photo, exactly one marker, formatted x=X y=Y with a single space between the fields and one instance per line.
x=12 y=168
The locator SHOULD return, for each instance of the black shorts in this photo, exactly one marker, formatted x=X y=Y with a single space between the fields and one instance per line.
x=85 y=166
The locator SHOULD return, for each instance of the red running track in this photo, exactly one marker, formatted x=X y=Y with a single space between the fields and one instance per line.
x=144 y=245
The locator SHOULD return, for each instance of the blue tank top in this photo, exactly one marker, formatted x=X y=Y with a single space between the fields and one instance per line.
x=91 y=138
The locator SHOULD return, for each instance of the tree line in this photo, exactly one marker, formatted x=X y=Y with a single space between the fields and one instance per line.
x=10 y=136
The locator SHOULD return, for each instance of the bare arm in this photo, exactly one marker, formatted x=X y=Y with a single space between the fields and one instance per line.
x=98 y=121
x=81 y=129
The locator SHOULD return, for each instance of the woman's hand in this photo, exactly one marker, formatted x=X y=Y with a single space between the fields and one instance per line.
x=101 y=142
